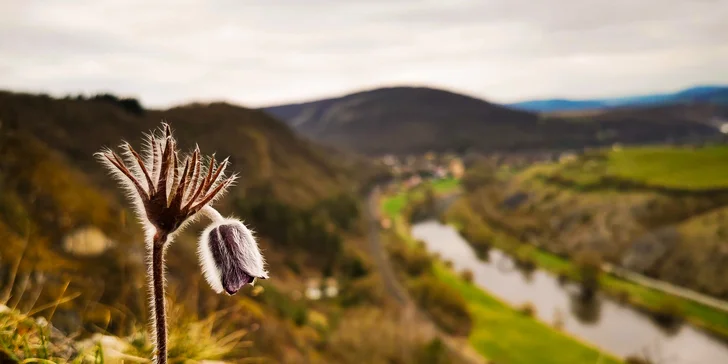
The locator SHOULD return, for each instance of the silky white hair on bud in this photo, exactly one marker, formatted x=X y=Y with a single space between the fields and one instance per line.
x=244 y=252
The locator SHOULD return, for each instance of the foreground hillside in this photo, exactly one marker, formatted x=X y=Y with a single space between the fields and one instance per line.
x=406 y=120
x=72 y=252
x=261 y=148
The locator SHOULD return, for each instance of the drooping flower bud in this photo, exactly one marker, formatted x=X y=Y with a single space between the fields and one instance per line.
x=230 y=257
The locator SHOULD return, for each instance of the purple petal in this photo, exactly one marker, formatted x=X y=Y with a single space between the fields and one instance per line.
x=227 y=253
x=235 y=280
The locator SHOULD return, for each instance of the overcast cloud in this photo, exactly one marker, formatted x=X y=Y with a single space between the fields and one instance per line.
x=274 y=51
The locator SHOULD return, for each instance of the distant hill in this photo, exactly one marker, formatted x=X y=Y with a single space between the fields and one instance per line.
x=700 y=94
x=401 y=119
x=551 y=105
x=415 y=119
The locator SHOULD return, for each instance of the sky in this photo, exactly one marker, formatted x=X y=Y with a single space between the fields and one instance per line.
x=266 y=52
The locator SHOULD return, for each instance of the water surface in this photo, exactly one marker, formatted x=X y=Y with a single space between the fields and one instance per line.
x=605 y=323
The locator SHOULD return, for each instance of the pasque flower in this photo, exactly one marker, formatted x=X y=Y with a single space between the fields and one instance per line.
x=169 y=191
x=230 y=257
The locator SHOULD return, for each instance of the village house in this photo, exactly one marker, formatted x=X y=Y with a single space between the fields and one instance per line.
x=456 y=168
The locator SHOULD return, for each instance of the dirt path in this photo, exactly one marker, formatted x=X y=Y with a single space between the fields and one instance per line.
x=391 y=283
x=395 y=290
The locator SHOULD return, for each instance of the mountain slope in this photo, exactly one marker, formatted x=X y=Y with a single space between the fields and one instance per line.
x=405 y=120
x=46 y=204
x=64 y=219
x=413 y=119
x=700 y=94
x=262 y=149
x=54 y=195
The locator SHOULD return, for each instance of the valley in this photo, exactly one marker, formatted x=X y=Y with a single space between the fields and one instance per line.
x=364 y=182
x=626 y=204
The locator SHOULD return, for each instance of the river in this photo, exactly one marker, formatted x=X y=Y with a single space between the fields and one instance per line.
x=605 y=323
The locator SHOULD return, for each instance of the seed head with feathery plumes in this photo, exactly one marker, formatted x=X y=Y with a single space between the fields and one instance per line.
x=167 y=193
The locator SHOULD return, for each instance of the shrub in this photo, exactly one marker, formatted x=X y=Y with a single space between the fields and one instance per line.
x=527 y=309
x=445 y=305
x=524 y=258
x=479 y=237
x=467 y=275
x=668 y=312
x=634 y=359
x=379 y=336
x=414 y=261
x=477 y=176
x=342 y=210
x=362 y=291
x=353 y=265
x=623 y=296
x=448 y=263
x=300 y=315
x=589 y=264
x=434 y=352
x=283 y=305
x=422 y=208
x=563 y=276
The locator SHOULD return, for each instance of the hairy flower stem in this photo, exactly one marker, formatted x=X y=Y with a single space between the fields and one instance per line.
x=212 y=214
x=160 y=315
x=168 y=189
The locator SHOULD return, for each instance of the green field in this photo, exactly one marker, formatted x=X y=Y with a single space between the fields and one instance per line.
x=499 y=331
x=446 y=185
x=676 y=168
x=505 y=335
x=394 y=204
x=702 y=168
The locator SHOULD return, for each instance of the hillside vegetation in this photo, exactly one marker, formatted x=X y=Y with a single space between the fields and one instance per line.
x=261 y=149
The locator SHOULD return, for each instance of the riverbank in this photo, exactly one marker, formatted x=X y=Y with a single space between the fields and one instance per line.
x=710 y=319
x=615 y=327
x=500 y=332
